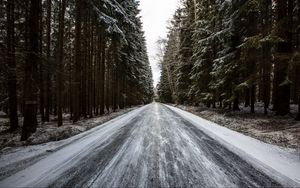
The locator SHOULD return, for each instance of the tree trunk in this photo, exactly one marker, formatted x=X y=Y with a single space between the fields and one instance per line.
x=30 y=84
x=253 y=21
x=84 y=80
x=115 y=87
x=247 y=97
x=236 y=101
x=266 y=55
x=102 y=72
x=298 y=64
x=47 y=70
x=298 y=79
x=76 y=92
x=253 y=93
x=11 y=61
x=107 y=85
x=41 y=69
x=59 y=73
x=266 y=77
x=282 y=95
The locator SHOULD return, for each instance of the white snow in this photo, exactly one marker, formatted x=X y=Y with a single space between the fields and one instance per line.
x=277 y=162
x=48 y=131
x=57 y=162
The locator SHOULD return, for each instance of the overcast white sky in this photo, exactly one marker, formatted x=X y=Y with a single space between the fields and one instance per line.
x=155 y=15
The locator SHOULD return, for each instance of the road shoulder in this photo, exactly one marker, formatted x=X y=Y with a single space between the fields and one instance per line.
x=280 y=163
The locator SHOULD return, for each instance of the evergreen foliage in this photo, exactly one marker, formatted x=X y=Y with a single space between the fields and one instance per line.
x=82 y=57
x=233 y=52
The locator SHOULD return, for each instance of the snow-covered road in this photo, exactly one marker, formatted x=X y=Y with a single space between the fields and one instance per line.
x=153 y=146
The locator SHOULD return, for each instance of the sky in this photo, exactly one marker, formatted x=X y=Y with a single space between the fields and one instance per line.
x=155 y=16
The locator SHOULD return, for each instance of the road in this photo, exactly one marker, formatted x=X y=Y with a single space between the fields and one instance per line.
x=152 y=147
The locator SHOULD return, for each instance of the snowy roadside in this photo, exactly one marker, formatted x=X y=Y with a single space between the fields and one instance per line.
x=280 y=163
x=276 y=130
x=49 y=131
x=14 y=159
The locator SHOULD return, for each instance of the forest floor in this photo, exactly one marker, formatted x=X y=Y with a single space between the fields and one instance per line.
x=282 y=131
x=48 y=131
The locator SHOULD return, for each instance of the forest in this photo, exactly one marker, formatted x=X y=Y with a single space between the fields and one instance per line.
x=230 y=53
x=80 y=57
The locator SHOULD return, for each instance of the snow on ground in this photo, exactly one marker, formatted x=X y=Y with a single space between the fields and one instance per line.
x=49 y=131
x=15 y=159
x=59 y=157
x=276 y=161
x=278 y=130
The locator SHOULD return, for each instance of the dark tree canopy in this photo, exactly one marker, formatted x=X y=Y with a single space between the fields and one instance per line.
x=82 y=57
x=231 y=52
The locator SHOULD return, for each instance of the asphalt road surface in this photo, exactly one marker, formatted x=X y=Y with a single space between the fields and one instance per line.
x=152 y=147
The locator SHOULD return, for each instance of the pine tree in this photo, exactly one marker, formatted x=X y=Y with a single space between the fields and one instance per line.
x=227 y=49
x=185 y=53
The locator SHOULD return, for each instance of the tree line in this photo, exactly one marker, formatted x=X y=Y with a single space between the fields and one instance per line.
x=82 y=57
x=224 y=53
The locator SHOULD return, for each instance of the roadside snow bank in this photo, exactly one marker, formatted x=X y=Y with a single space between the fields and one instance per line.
x=48 y=131
x=281 y=164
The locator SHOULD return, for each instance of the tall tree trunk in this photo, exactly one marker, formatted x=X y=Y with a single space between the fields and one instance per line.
x=91 y=71
x=48 y=69
x=60 y=62
x=284 y=48
x=41 y=69
x=266 y=55
x=252 y=31
x=115 y=87
x=11 y=61
x=31 y=74
x=97 y=75
x=84 y=80
x=298 y=80
x=253 y=98
x=298 y=63
x=76 y=92
x=102 y=72
x=108 y=83
x=266 y=76
x=236 y=101
x=247 y=97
